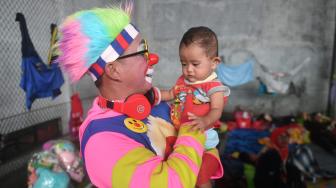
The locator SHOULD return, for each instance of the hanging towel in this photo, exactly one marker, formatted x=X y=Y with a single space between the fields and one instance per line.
x=273 y=81
x=38 y=80
x=235 y=75
x=273 y=85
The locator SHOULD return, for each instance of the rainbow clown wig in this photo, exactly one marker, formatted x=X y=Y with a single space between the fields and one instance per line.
x=91 y=38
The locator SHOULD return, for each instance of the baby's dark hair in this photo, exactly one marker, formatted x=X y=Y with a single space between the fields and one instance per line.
x=202 y=36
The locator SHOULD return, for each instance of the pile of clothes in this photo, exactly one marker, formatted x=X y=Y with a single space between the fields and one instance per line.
x=264 y=151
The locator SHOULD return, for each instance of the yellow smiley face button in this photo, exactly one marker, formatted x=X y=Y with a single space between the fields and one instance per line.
x=135 y=125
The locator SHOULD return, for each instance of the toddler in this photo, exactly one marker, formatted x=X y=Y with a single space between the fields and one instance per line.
x=198 y=96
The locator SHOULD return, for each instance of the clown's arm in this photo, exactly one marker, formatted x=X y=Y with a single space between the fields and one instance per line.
x=114 y=159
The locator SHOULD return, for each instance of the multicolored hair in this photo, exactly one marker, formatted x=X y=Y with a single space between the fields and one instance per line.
x=91 y=38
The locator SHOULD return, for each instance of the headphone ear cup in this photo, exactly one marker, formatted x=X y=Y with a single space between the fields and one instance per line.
x=136 y=106
x=150 y=95
x=153 y=96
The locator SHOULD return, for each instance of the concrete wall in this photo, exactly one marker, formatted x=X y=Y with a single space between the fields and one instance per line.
x=280 y=33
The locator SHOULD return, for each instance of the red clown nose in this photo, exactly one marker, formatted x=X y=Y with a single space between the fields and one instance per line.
x=152 y=59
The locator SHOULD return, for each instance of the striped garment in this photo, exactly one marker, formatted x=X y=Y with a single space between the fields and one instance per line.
x=114 y=50
x=116 y=156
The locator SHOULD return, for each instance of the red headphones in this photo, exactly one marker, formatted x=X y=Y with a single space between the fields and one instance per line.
x=137 y=106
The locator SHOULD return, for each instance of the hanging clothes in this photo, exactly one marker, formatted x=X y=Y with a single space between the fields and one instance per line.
x=235 y=75
x=38 y=80
x=76 y=116
x=53 y=49
x=273 y=81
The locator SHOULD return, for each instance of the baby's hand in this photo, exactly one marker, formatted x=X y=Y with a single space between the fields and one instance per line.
x=198 y=123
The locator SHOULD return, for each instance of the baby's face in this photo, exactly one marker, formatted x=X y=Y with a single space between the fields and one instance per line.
x=196 y=65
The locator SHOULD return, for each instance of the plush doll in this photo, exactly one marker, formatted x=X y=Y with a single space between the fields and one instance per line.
x=69 y=159
x=44 y=171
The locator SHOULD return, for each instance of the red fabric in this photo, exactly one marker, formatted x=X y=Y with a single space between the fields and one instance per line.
x=243 y=119
x=188 y=106
x=208 y=168
x=217 y=124
x=276 y=133
x=121 y=40
x=97 y=68
x=259 y=125
x=282 y=149
x=231 y=125
x=192 y=104
x=170 y=141
x=76 y=116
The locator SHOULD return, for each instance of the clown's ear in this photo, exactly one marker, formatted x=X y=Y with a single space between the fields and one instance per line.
x=112 y=70
x=127 y=6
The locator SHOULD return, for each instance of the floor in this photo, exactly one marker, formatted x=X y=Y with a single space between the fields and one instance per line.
x=15 y=179
x=326 y=160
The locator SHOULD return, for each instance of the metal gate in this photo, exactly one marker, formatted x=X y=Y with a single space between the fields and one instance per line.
x=39 y=15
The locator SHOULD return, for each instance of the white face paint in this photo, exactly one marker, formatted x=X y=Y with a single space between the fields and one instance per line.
x=149 y=74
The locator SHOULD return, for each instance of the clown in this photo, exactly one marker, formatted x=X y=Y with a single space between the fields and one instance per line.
x=125 y=138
